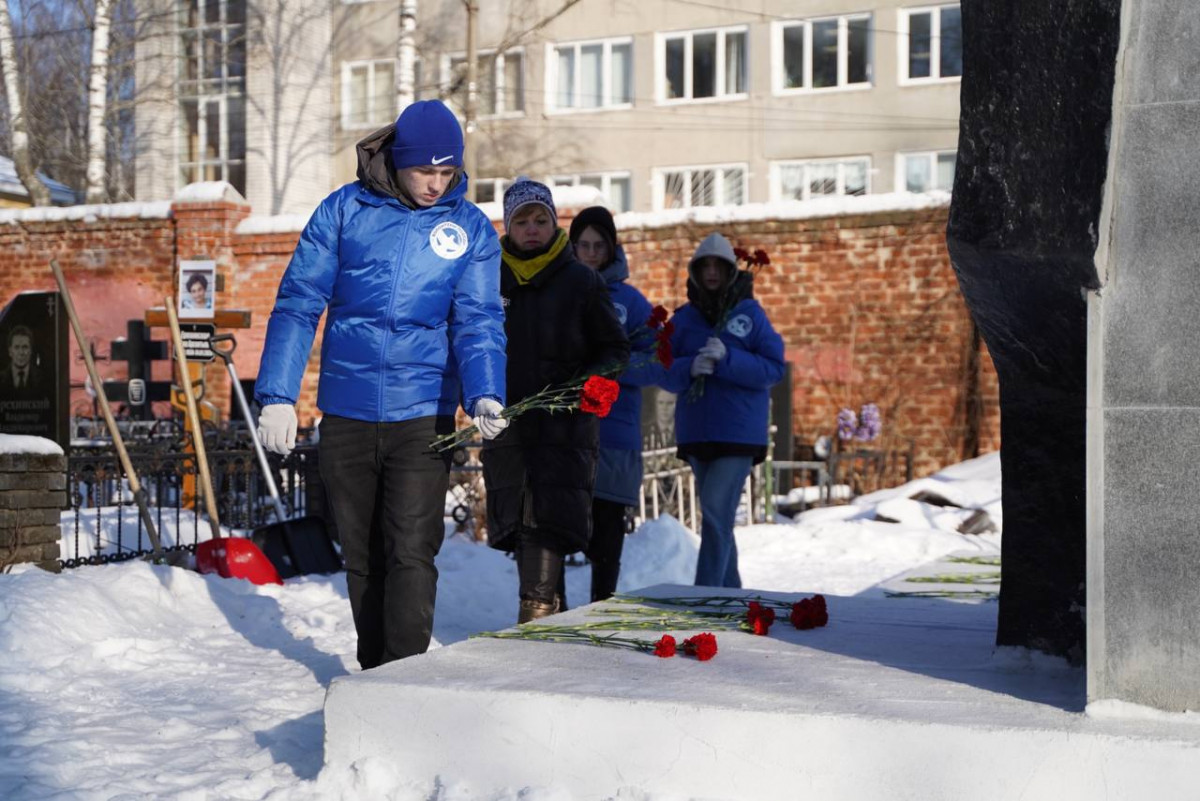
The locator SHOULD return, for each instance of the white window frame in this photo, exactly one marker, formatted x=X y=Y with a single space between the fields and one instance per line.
x=606 y=88
x=776 y=177
x=372 y=122
x=658 y=182
x=932 y=155
x=935 y=45
x=606 y=179
x=843 y=84
x=498 y=80
x=499 y=185
x=660 y=66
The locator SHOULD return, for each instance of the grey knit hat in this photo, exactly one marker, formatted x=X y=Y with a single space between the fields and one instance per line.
x=524 y=192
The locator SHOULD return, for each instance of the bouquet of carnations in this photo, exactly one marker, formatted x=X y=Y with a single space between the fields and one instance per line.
x=594 y=394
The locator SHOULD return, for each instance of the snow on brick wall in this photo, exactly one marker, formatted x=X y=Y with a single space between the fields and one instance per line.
x=867 y=303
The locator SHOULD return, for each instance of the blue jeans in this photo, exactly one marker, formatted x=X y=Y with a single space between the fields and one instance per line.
x=719 y=485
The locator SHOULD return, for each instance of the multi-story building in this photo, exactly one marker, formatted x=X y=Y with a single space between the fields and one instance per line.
x=660 y=104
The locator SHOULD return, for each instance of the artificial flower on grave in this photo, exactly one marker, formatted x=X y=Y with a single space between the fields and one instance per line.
x=864 y=427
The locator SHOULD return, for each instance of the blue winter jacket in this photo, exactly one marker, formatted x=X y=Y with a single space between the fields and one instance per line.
x=733 y=409
x=413 y=299
x=619 y=469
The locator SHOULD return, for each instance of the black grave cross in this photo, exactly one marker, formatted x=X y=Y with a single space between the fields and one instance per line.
x=138 y=351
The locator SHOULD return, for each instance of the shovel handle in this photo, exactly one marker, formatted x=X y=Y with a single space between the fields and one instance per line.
x=226 y=354
x=193 y=414
x=118 y=442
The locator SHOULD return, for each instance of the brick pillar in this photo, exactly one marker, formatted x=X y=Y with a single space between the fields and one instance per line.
x=32 y=497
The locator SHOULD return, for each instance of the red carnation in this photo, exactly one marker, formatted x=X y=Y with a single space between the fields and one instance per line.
x=658 y=316
x=702 y=646
x=761 y=258
x=741 y=254
x=663 y=352
x=665 y=647
x=667 y=330
x=760 y=618
x=599 y=394
x=810 y=613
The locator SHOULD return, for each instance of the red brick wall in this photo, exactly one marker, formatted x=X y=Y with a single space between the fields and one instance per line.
x=868 y=305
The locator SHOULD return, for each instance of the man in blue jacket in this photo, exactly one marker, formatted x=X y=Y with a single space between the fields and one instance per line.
x=409 y=272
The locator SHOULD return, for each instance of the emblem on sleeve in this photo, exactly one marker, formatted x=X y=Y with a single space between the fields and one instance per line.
x=739 y=326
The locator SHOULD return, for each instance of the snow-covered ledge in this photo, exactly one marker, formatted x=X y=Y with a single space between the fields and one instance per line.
x=33 y=481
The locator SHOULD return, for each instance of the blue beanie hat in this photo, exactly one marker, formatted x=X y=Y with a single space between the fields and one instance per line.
x=524 y=192
x=427 y=134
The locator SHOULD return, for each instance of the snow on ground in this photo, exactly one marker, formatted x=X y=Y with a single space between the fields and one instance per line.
x=140 y=682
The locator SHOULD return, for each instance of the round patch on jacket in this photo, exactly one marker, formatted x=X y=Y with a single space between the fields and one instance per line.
x=739 y=326
x=448 y=240
x=622 y=312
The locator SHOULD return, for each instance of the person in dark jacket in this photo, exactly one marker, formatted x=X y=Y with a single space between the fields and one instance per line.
x=723 y=335
x=407 y=270
x=619 y=468
x=561 y=325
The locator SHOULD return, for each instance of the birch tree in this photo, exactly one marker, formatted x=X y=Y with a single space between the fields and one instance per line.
x=97 y=130
x=39 y=193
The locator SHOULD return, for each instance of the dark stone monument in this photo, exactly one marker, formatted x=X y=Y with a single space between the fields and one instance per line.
x=1037 y=94
x=34 y=367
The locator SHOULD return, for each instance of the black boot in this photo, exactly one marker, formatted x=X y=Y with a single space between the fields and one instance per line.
x=539 y=569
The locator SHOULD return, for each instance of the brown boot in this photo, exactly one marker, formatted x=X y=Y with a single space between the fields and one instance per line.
x=532 y=610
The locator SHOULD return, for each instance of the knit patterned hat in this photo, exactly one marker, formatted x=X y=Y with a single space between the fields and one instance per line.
x=524 y=192
x=427 y=134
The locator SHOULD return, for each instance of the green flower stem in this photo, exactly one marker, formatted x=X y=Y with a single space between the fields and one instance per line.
x=719 y=601
x=568 y=634
x=956 y=578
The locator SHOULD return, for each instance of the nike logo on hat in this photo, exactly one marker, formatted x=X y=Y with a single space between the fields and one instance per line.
x=439 y=161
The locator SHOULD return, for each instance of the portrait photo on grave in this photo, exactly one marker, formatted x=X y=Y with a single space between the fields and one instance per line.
x=197 y=287
x=658 y=418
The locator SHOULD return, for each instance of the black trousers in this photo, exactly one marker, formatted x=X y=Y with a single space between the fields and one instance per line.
x=604 y=551
x=387 y=495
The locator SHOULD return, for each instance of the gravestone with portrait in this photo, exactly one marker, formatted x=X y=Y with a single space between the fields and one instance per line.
x=34 y=367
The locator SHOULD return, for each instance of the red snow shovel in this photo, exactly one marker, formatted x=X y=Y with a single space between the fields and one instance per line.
x=229 y=557
x=298 y=546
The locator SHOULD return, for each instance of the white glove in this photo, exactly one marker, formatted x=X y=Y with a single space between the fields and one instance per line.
x=702 y=365
x=714 y=348
x=277 y=427
x=487 y=418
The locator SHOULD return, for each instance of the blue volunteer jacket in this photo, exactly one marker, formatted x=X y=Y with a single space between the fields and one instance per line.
x=413 y=299
x=619 y=468
x=734 y=406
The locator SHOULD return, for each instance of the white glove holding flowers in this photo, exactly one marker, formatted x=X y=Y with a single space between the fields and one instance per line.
x=277 y=427
x=702 y=365
x=487 y=418
x=714 y=348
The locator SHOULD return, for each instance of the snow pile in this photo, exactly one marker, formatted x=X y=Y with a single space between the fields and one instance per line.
x=22 y=443
x=209 y=192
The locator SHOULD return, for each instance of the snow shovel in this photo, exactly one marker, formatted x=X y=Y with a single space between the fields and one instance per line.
x=229 y=557
x=296 y=547
x=157 y=554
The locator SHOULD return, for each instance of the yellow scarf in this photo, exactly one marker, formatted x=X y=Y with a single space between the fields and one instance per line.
x=526 y=269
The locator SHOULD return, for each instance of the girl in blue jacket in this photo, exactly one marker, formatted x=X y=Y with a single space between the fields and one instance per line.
x=407 y=273
x=723 y=336
x=619 y=466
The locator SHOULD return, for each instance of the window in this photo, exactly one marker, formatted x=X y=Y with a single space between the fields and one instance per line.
x=368 y=93
x=688 y=187
x=615 y=186
x=804 y=180
x=930 y=44
x=822 y=53
x=500 y=86
x=701 y=65
x=925 y=172
x=589 y=75
x=490 y=190
x=211 y=89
